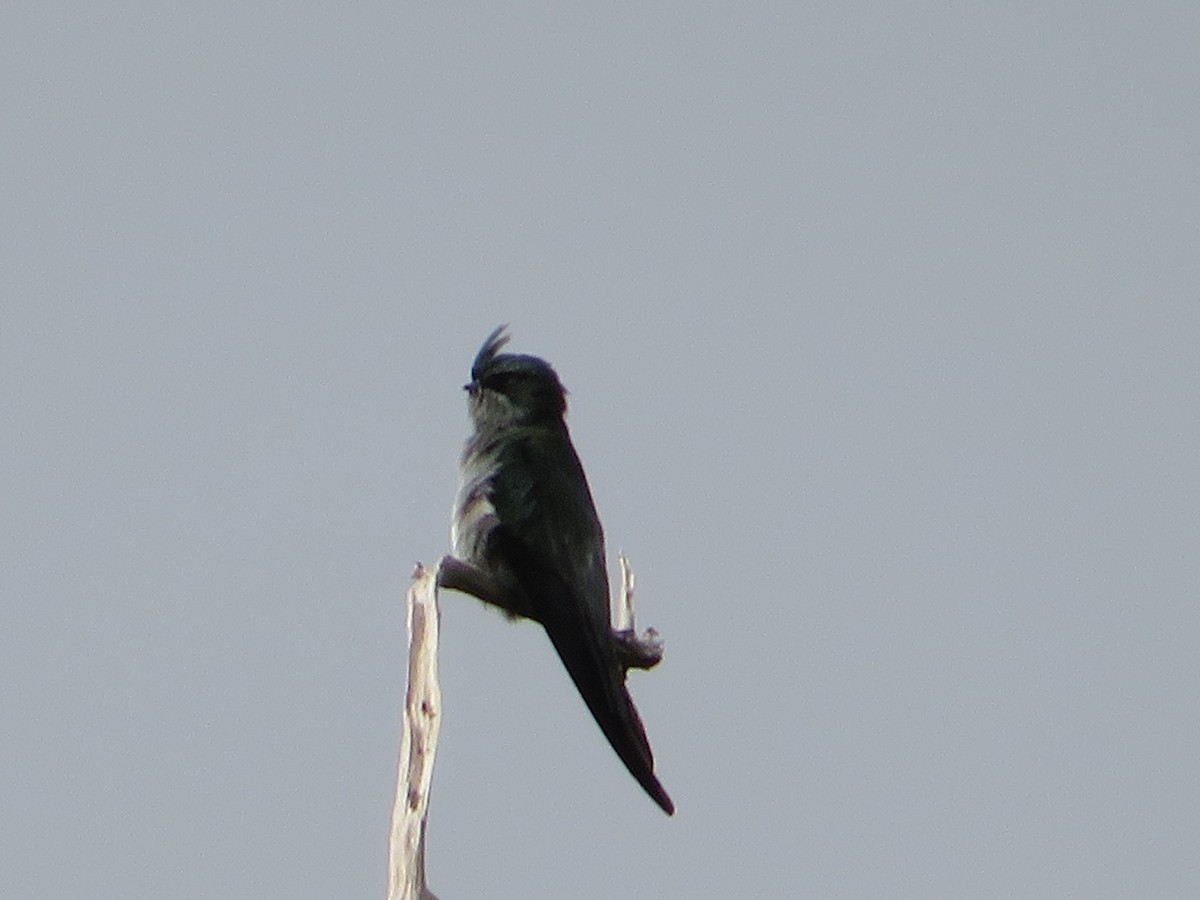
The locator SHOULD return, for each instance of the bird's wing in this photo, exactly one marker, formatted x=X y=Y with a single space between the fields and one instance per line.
x=541 y=496
x=549 y=538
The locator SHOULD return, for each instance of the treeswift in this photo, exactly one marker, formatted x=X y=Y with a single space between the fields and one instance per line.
x=524 y=516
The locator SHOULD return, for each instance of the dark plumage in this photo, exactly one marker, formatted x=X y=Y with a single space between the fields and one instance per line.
x=525 y=516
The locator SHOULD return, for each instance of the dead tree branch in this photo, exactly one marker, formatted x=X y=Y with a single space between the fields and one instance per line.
x=418 y=744
x=423 y=703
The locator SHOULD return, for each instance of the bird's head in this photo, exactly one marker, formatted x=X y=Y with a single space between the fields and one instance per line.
x=513 y=389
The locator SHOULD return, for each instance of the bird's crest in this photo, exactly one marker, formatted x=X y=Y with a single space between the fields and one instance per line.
x=489 y=350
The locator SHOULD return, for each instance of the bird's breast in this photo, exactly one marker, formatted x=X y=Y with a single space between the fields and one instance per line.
x=474 y=514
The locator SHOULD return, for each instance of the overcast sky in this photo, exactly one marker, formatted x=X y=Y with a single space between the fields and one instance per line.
x=882 y=330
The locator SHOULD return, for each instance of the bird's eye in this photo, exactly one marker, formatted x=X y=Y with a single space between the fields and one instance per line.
x=499 y=382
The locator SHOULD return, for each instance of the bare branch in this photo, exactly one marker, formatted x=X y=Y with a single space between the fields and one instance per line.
x=633 y=651
x=423 y=704
x=418 y=744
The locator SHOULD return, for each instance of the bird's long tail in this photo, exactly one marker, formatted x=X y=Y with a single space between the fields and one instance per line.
x=601 y=682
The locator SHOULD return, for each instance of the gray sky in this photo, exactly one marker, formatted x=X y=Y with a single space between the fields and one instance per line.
x=882 y=331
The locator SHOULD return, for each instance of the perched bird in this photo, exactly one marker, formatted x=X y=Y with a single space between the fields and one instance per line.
x=524 y=516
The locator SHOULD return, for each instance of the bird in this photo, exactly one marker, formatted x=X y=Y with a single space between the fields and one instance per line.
x=524 y=516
